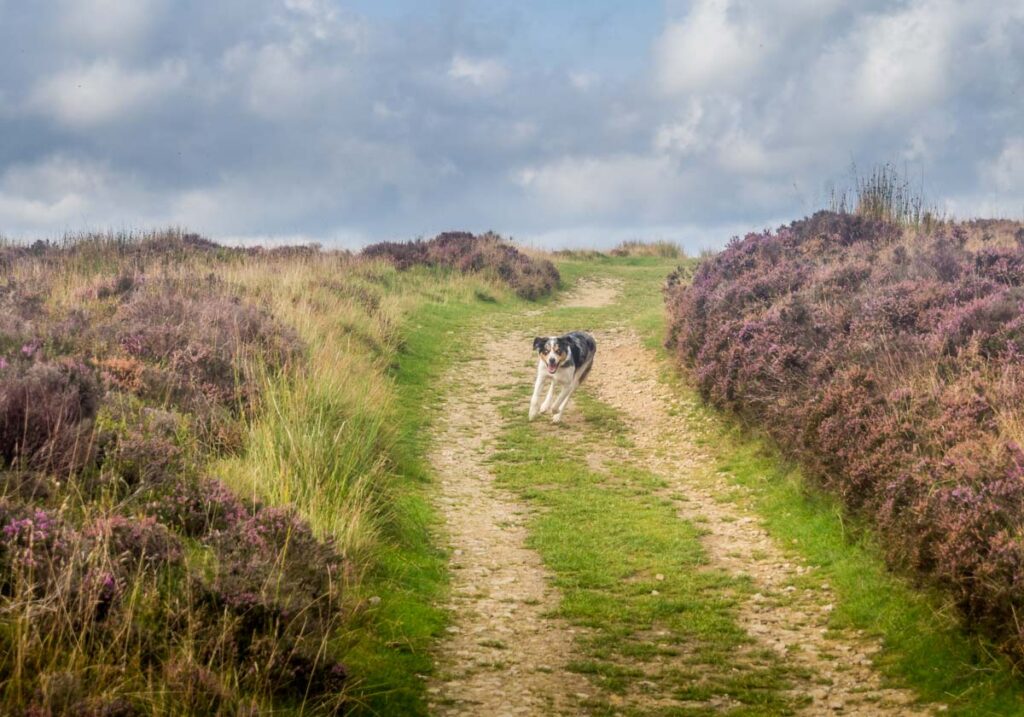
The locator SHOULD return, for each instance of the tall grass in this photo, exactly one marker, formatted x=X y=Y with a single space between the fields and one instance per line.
x=662 y=248
x=325 y=437
x=885 y=194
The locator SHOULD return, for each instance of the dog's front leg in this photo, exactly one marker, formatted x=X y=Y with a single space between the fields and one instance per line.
x=547 y=401
x=562 y=399
x=537 y=387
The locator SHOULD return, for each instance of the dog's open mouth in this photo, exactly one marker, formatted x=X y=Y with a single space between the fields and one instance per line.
x=552 y=368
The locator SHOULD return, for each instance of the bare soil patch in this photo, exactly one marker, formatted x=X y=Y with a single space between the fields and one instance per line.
x=592 y=294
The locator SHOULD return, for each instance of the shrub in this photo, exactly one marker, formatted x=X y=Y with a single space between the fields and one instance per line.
x=889 y=364
x=47 y=409
x=530 y=278
x=197 y=508
x=119 y=358
x=202 y=337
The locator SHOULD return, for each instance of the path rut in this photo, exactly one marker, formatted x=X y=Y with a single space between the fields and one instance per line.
x=504 y=655
x=790 y=621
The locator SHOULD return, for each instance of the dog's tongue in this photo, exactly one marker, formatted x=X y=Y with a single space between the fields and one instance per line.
x=552 y=369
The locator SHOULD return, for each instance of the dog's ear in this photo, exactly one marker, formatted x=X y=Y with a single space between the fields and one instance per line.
x=538 y=343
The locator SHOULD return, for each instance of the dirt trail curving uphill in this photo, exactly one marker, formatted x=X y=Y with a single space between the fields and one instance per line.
x=506 y=655
x=592 y=294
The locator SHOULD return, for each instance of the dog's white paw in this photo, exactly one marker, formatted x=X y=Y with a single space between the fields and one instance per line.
x=533 y=413
x=557 y=417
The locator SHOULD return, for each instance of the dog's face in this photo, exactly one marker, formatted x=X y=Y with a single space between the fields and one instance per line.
x=553 y=351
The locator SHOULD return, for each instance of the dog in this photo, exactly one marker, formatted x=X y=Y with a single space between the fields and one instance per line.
x=566 y=360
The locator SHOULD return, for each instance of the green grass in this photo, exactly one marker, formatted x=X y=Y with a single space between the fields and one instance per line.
x=608 y=539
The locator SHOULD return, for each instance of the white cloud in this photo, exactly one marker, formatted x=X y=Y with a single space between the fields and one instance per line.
x=105 y=92
x=683 y=136
x=280 y=80
x=484 y=73
x=20 y=212
x=603 y=185
x=61 y=192
x=706 y=50
x=583 y=81
x=905 y=58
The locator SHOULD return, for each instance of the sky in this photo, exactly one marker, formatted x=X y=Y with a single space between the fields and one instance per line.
x=570 y=123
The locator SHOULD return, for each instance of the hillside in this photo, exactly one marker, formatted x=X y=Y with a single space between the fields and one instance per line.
x=888 y=362
x=199 y=458
x=247 y=481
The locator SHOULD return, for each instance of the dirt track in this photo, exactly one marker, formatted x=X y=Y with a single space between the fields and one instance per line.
x=506 y=655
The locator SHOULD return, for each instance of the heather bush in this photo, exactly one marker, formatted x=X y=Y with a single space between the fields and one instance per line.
x=529 y=277
x=889 y=363
x=202 y=337
x=143 y=446
x=47 y=409
x=197 y=508
x=124 y=362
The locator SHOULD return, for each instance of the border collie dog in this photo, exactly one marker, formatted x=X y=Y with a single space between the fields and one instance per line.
x=566 y=360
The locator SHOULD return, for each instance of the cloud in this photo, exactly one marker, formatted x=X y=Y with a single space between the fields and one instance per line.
x=104 y=92
x=682 y=136
x=1006 y=173
x=64 y=193
x=706 y=50
x=109 y=25
x=279 y=81
x=906 y=58
x=604 y=186
x=584 y=81
x=248 y=118
x=484 y=73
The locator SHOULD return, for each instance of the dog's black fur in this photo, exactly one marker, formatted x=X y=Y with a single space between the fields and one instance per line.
x=567 y=359
x=580 y=346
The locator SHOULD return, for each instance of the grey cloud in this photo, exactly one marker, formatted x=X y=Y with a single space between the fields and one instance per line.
x=303 y=118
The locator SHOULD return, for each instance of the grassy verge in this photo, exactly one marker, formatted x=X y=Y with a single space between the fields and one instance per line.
x=344 y=441
x=411 y=574
x=924 y=645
